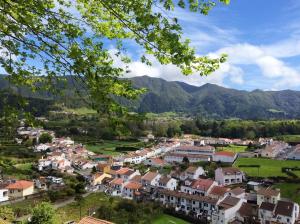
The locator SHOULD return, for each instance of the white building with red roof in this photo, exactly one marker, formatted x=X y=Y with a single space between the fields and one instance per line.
x=20 y=189
x=199 y=186
x=224 y=156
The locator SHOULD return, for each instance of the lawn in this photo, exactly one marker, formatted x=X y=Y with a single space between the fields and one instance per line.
x=233 y=148
x=167 y=219
x=71 y=212
x=290 y=190
x=289 y=138
x=81 y=111
x=268 y=167
x=108 y=147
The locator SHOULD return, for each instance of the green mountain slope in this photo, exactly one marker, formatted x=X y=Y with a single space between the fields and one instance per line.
x=208 y=100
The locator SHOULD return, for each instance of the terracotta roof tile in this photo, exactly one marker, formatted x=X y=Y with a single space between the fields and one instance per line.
x=91 y=220
x=219 y=191
x=149 y=176
x=133 y=185
x=268 y=192
x=225 y=153
x=21 y=184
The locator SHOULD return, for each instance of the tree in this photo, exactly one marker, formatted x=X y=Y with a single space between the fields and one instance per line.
x=44 y=41
x=6 y=214
x=43 y=213
x=80 y=200
x=185 y=160
x=45 y=138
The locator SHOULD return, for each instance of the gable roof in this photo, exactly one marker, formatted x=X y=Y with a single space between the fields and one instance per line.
x=248 y=210
x=230 y=170
x=149 y=176
x=164 y=180
x=117 y=181
x=219 y=191
x=122 y=171
x=267 y=206
x=202 y=184
x=136 y=178
x=237 y=191
x=21 y=184
x=268 y=192
x=133 y=185
x=92 y=220
x=229 y=202
x=284 y=208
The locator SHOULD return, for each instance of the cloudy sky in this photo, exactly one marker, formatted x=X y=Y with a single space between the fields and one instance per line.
x=261 y=38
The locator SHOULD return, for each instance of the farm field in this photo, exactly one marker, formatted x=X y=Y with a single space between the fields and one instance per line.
x=290 y=190
x=167 y=219
x=233 y=148
x=109 y=147
x=268 y=167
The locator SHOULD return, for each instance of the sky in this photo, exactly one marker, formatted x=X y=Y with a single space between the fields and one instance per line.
x=261 y=38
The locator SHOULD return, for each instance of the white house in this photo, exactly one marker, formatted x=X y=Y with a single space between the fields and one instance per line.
x=167 y=183
x=226 y=210
x=228 y=175
x=42 y=147
x=184 y=202
x=284 y=212
x=199 y=186
x=150 y=179
x=131 y=190
x=224 y=156
x=3 y=193
x=268 y=195
x=192 y=173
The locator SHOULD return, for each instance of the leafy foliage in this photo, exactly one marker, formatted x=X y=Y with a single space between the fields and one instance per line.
x=43 y=213
x=58 y=38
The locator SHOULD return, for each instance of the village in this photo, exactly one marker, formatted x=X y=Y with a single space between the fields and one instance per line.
x=225 y=195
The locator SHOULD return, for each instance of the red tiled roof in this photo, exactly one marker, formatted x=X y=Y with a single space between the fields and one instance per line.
x=122 y=171
x=117 y=181
x=230 y=170
x=133 y=185
x=21 y=184
x=268 y=192
x=218 y=190
x=202 y=184
x=149 y=176
x=225 y=153
x=92 y=220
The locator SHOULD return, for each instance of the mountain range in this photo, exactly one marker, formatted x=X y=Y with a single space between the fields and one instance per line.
x=209 y=100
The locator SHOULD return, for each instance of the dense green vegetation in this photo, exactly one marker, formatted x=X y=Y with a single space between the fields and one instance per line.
x=290 y=190
x=114 y=209
x=249 y=129
x=208 y=101
x=267 y=167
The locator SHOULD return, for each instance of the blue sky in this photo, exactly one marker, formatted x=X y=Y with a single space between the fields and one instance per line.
x=261 y=38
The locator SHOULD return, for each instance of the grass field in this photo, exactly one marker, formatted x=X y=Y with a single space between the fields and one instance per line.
x=289 y=138
x=108 y=147
x=290 y=190
x=81 y=111
x=232 y=148
x=71 y=212
x=268 y=167
x=167 y=219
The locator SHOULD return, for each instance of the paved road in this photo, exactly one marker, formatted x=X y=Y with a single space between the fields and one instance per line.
x=56 y=206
